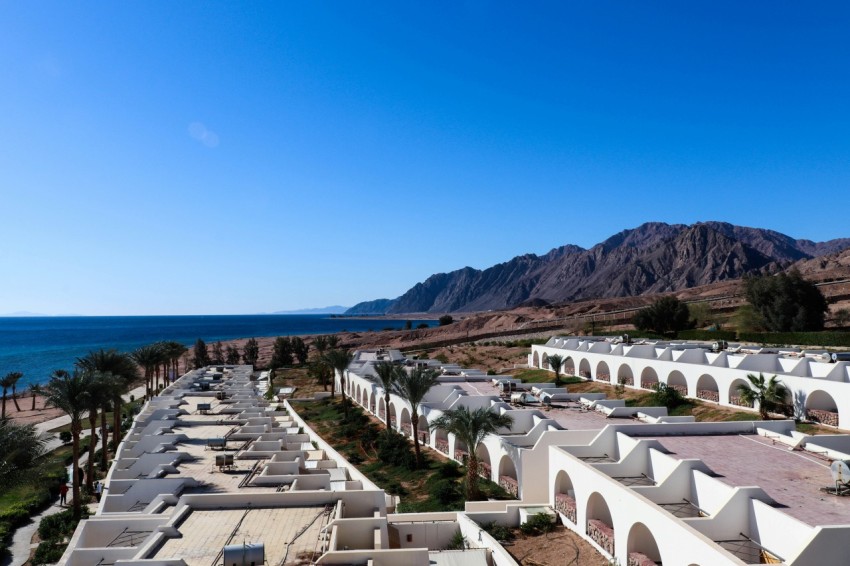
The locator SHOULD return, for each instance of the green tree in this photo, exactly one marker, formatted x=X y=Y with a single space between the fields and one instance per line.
x=787 y=302
x=232 y=355
x=471 y=427
x=333 y=341
x=147 y=357
x=667 y=315
x=412 y=387
x=70 y=392
x=217 y=353
x=174 y=351
x=20 y=447
x=120 y=365
x=339 y=360
x=251 y=352
x=6 y=383
x=35 y=390
x=201 y=357
x=445 y=320
x=281 y=352
x=556 y=362
x=842 y=317
x=97 y=398
x=15 y=378
x=769 y=394
x=300 y=349
x=386 y=375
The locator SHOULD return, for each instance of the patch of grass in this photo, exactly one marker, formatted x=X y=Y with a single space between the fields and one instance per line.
x=20 y=502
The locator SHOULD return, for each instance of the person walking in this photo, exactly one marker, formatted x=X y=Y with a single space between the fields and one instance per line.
x=98 y=490
x=63 y=494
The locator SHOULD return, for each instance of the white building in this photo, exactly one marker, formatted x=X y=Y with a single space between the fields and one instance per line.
x=664 y=491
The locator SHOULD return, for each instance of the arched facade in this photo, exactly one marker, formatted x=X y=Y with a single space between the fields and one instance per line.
x=392 y=415
x=544 y=361
x=405 y=425
x=485 y=462
x=423 y=431
x=648 y=378
x=600 y=525
x=821 y=407
x=641 y=545
x=677 y=381
x=441 y=440
x=584 y=368
x=565 y=496
x=508 y=478
x=603 y=373
x=707 y=388
x=535 y=360
x=625 y=375
x=569 y=366
x=735 y=392
x=382 y=409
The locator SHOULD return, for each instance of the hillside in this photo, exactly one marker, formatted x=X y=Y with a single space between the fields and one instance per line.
x=652 y=258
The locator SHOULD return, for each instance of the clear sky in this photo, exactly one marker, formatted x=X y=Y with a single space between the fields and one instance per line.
x=202 y=157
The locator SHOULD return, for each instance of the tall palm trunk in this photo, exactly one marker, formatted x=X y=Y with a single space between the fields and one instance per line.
x=15 y=399
x=156 y=383
x=472 y=477
x=104 y=438
x=414 y=421
x=92 y=449
x=33 y=402
x=387 y=413
x=76 y=480
x=4 y=403
x=116 y=422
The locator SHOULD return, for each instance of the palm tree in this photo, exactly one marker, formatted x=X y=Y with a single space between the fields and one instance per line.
x=98 y=394
x=320 y=343
x=70 y=392
x=20 y=446
x=412 y=387
x=16 y=376
x=114 y=386
x=6 y=383
x=339 y=361
x=35 y=389
x=119 y=364
x=556 y=362
x=333 y=341
x=386 y=375
x=147 y=357
x=769 y=394
x=471 y=427
x=175 y=351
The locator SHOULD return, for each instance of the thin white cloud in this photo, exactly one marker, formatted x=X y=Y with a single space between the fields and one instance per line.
x=199 y=132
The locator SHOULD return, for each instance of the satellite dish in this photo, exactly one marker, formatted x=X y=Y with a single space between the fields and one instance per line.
x=840 y=472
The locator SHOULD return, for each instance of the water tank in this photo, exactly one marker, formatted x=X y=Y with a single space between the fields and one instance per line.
x=841 y=356
x=245 y=554
x=224 y=460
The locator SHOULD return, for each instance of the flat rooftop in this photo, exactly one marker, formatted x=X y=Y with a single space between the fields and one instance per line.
x=793 y=479
x=204 y=533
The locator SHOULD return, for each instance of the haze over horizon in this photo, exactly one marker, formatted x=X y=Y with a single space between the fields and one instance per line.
x=200 y=158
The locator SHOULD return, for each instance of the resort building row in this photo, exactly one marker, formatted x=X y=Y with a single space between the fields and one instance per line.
x=212 y=473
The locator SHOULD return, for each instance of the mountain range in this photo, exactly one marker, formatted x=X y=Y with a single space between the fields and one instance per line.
x=652 y=258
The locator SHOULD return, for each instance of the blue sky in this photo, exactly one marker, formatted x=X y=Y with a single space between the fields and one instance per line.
x=198 y=157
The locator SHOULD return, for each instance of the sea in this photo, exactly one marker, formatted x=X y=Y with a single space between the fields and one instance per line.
x=36 y=346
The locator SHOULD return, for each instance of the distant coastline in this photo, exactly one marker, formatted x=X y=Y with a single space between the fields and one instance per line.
x=37 y=346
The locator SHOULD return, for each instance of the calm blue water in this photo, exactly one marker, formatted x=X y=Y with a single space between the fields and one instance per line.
x=37 y=346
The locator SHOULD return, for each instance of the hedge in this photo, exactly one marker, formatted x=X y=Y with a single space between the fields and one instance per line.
x=837 y=339
x=708 y=335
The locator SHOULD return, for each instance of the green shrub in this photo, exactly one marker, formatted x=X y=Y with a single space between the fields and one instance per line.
x=457 y=542
x=665 y=396
x=498 y=532
x=395 y=450
x=48 y=552
x=445 y=491
x=450 y=469
x=65 y=436
x=707 y=335
x=538 y=524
